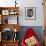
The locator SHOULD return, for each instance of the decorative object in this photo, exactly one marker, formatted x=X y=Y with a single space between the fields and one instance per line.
x=15 y=37
x=5 y=12
x=7 y=34
x=31 y=41
x=15 y=3
x=15 y=30
x=30 y=13
x=13 y=12
x=6 y=21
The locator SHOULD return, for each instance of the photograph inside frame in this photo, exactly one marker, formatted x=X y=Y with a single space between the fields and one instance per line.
x=30 y=13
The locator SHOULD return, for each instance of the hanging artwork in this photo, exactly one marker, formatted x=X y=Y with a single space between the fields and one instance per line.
x=30 y=13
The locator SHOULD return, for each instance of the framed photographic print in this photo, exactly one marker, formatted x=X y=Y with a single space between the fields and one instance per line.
x=30 y=13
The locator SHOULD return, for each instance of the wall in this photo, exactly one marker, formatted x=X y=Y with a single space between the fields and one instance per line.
x=39 y=13
x=27 y=3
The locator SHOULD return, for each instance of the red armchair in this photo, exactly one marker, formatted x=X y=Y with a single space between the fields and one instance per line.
x=29 y=36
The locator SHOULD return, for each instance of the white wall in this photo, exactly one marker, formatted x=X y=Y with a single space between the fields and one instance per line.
x=27 y=3
x=39 y=13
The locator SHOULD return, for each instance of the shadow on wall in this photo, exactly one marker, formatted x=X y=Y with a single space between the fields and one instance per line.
x=37 y=29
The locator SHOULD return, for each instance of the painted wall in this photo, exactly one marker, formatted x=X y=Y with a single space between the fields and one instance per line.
x=26 y=3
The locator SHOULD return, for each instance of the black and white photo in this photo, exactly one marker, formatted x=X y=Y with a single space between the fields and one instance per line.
x=30 y=13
